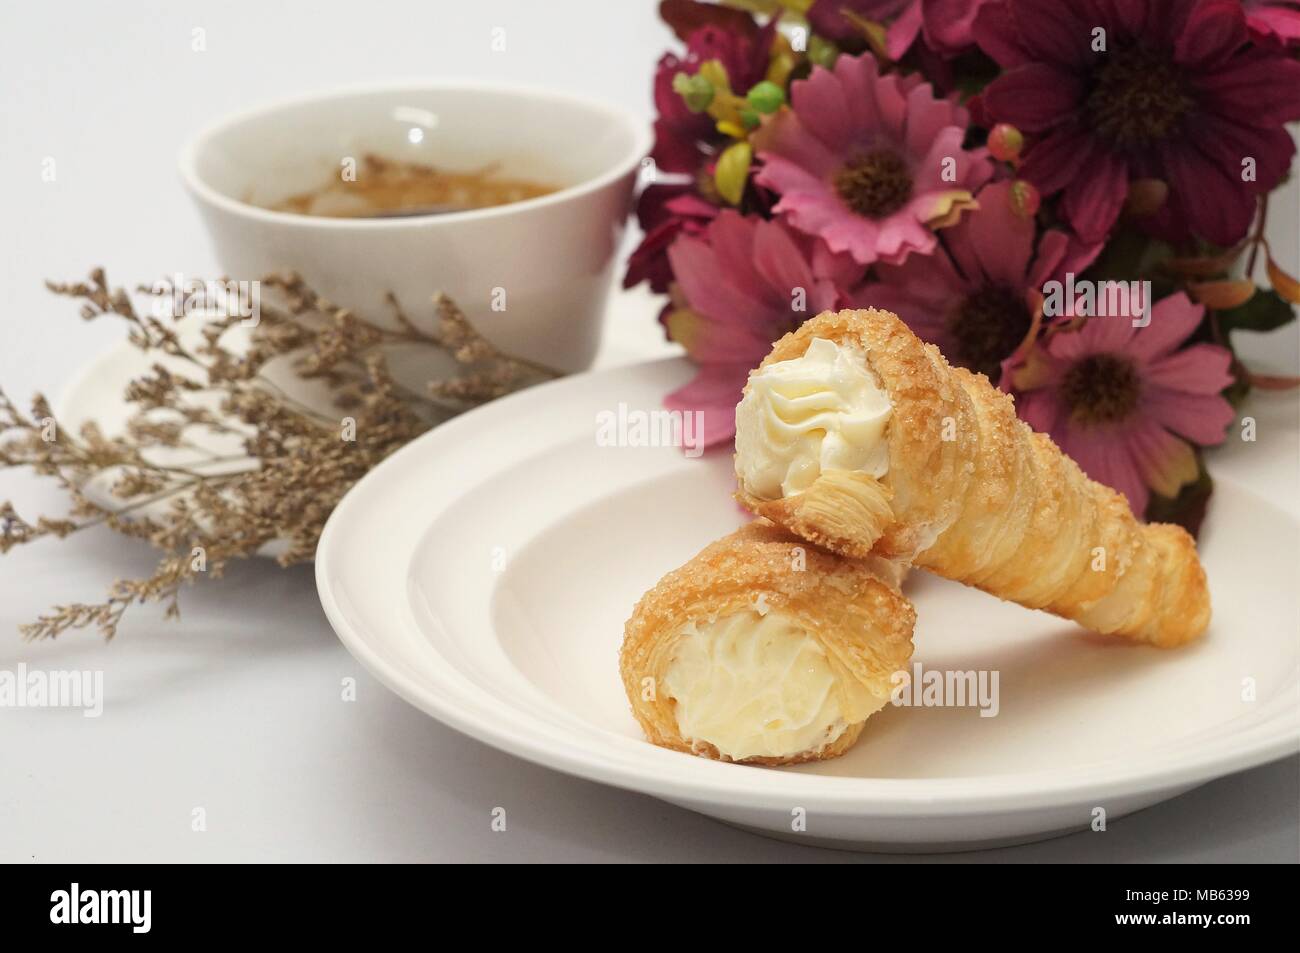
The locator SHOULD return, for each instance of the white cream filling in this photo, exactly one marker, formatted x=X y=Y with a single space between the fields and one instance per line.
x=822 y=411
x=758 y=685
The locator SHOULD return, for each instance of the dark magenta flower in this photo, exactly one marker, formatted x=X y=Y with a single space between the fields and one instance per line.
x=979 y=296
x=1110 y=91
x=664 y=213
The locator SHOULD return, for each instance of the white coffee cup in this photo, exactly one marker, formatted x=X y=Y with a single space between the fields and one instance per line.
x=532 y=276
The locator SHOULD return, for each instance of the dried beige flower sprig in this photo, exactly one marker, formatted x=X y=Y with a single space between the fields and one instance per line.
x=215 y=384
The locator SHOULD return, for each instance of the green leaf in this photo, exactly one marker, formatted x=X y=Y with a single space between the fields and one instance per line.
x=1235 y=393
x=1130 y=255
x=972 y=71
x=1265 y=311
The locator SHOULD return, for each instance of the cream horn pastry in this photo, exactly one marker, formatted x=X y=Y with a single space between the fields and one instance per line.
x=855 y=435
x=765 y=650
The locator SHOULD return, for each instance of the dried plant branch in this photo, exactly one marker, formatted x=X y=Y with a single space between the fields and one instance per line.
x=295 y=459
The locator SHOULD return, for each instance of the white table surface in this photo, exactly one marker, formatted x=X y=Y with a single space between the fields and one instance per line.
x=237 y=709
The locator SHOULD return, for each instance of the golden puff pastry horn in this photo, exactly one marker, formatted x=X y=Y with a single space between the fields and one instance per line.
x=855 y=435
x=765 y=650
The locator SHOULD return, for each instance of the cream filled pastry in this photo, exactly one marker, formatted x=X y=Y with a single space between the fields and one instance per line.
x=764 y=650
x=820 y=411
x=753 y=685
x=968 y=490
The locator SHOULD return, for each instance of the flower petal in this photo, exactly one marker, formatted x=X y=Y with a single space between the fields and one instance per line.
x=1093 y=200
x=1173 y=319
x=1105 y=454
x=900 y=235
x=892 y=98
x=733 y=318
x=1053 y=162
x=785 y=137
x=821 y=106
x=675 y=149
x=1165 y=462
x=787 y=178
x=838 y=268
x=1265 y=88
x=1034 y=97
x=1003 y=240
x=1199 y=369
x=995 y=33
x=1201 y=418
x=902 y=32
x=731 y=239
x=1215 y=30
x=1108 y=334
x=926 y=121
x=714 y=392
x=1281 y=22
x=948 y=24
x=1214 y=206
x=784 y=271
x=969 y=169
x=1053 y=31
x=928 y=321
x=1041 y=409
x=860 y=78
x=1228 y=142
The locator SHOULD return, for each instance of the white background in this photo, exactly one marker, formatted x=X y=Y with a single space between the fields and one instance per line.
x=237 y=709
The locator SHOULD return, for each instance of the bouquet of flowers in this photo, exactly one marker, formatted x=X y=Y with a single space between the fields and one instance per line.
x=1067 y=197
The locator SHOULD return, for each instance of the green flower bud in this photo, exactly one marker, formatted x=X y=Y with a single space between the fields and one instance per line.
x=732 y=171
x=766 y=97
x=822 y=52
x=696 y=91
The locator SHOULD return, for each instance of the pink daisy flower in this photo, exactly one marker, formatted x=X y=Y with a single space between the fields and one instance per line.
x=870 y=164
x=1125 y=401
x=740 y=285
x=1179 y=94
x=978 y=298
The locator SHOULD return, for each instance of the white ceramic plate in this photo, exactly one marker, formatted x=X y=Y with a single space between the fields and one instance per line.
x=484 y=573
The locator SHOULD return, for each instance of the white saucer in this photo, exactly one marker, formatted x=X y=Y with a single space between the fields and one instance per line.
x=484 y=573
x=96 y=395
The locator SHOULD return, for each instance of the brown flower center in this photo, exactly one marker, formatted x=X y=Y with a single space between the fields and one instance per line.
x=1101 y=389
x=988 y=327
x=875 y=184
x=1137 y=98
